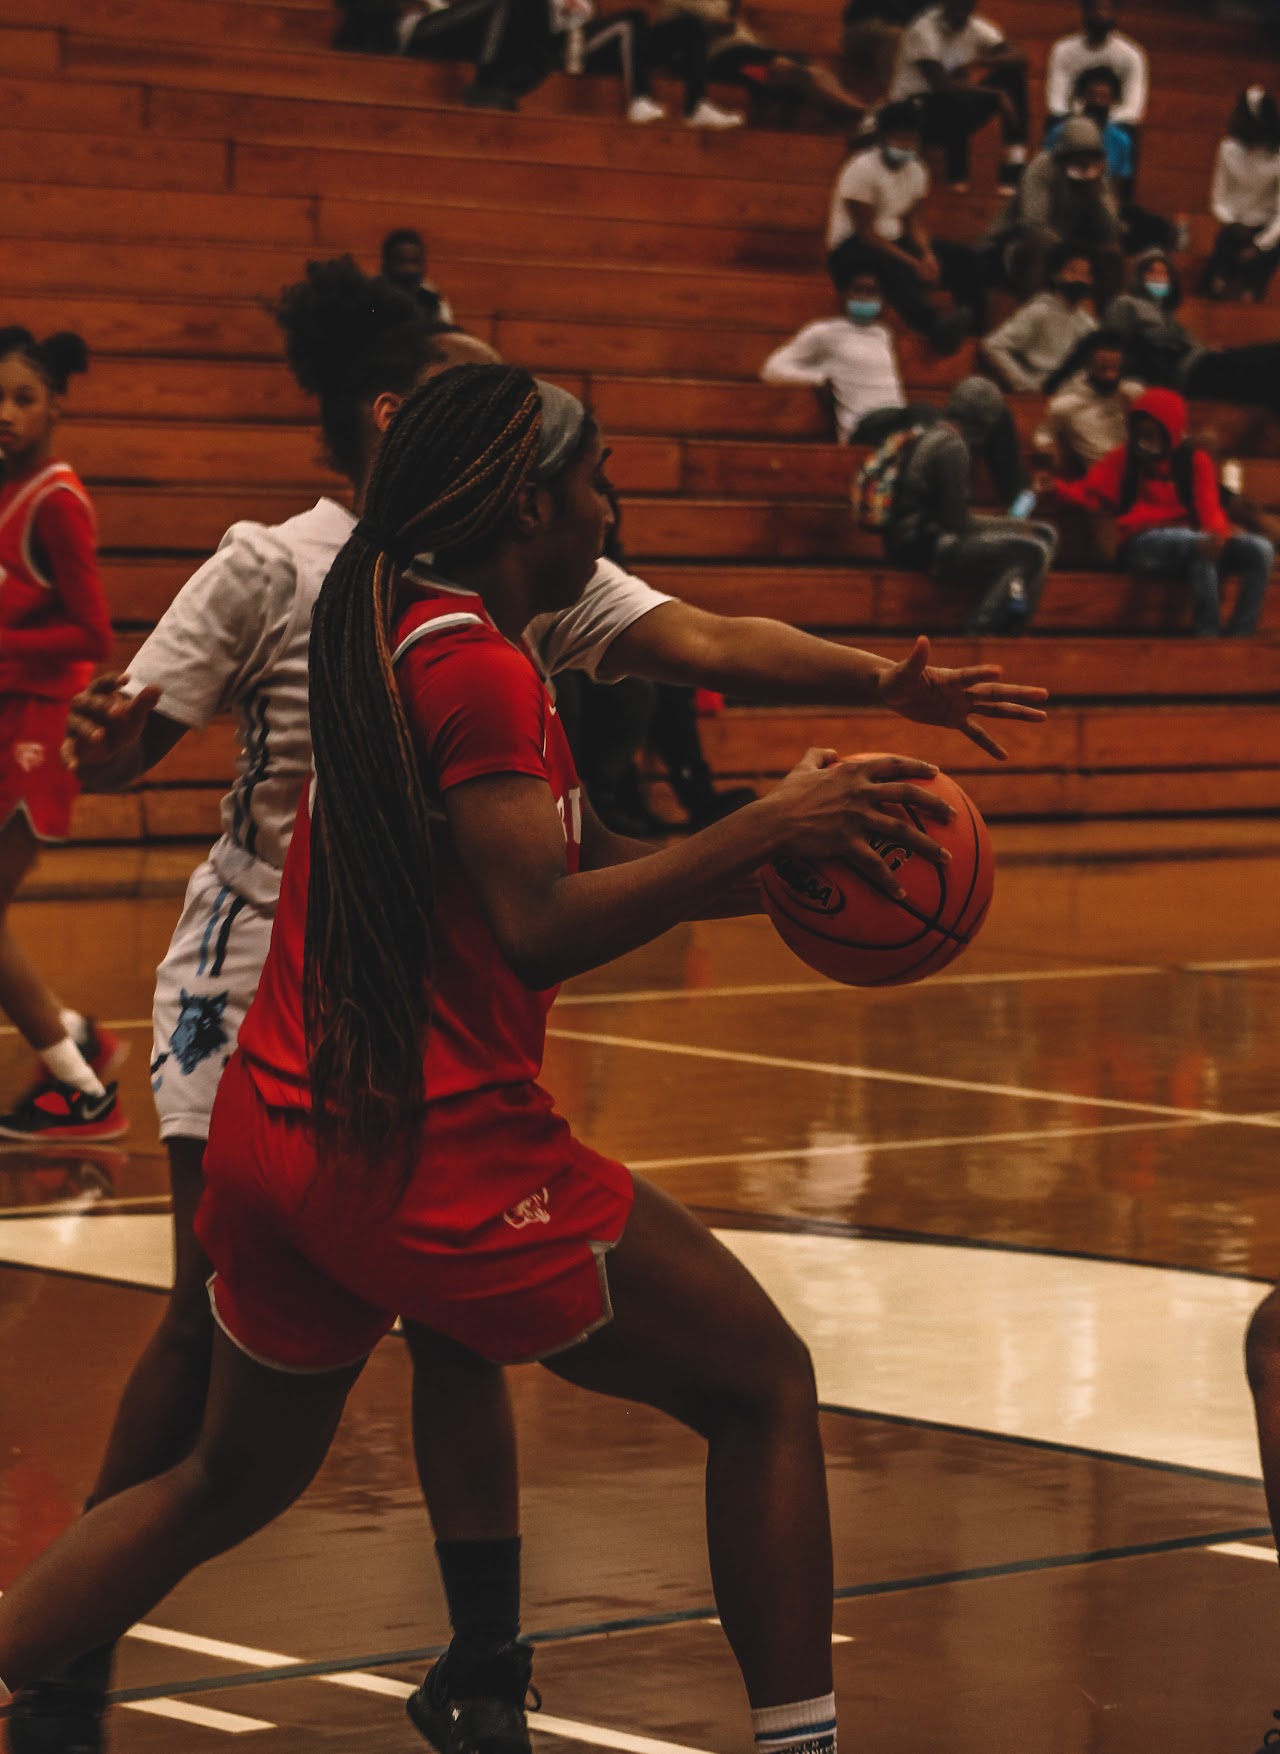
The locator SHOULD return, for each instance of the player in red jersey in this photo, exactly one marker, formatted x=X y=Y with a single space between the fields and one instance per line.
x=380 y=1145
x=54 y=628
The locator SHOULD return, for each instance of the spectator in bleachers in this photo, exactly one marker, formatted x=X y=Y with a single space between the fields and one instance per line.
x=1042 y=333
x=1162 y=492
x=876 y=223
x=964 y=72
x=630 y=44
x=1246 y=200
x=1099 y=44
x=738 y=55
x=933 y=528
x=1065 y=199
x=850 y=356
x=1097 y=92
x=404 y=264
x=1160 y=350
x=436 y=30
x=870 y=37
x=1088 y=415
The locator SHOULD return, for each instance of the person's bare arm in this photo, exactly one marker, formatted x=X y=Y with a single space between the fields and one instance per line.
x=761 y=659
x=551 y=924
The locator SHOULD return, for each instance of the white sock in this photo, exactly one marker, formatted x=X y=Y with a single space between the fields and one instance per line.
x=75 y=1024
x=807 y=1727
x=69 y=1066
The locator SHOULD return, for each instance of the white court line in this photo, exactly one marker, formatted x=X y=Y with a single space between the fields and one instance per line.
x=1243 y=1550
x=778 y=989
x=361 y=1681
x=231 y=1723
x=879 y=1075
x=876 y=1146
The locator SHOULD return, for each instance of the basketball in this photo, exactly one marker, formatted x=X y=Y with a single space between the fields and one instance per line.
x=839 y=924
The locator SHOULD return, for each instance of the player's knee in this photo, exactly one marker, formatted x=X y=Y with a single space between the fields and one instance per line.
x=1262 y=1345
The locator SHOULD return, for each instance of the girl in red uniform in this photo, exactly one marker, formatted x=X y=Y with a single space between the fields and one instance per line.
x=54 y=628
x=380 y=1144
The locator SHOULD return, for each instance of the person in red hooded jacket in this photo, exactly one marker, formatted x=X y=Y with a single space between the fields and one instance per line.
x=1162 y=491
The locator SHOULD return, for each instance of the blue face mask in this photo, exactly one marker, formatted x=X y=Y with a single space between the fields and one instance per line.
x=864 y=310
x=1158 y=290
x=896 y=157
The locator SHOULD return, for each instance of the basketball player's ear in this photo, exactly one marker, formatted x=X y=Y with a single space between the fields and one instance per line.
x=534 y=510
x=385 y=409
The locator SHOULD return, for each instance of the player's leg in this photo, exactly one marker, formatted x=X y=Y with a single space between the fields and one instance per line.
x=69 y=1100
x=264 y=1436
x=694 y=1335
x=1262 y=1359
x=464 y=1439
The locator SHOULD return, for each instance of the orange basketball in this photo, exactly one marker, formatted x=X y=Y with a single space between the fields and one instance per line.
x=836 y=922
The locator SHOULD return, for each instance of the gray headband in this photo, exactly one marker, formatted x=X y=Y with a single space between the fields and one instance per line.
x=563 y=420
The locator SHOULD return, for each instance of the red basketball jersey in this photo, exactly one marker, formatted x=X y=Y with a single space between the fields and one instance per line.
x=477 y=707
x=54 y=625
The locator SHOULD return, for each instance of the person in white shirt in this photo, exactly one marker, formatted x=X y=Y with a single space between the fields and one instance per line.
x=876 y=224
x=851 y=356
x=1099 y=44
x=1246 y=200
x=964 y=73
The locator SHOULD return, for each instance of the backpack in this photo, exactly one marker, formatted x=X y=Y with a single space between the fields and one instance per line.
x=877 y=480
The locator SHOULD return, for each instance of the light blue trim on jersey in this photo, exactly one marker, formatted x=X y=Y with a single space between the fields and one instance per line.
x=209 y=930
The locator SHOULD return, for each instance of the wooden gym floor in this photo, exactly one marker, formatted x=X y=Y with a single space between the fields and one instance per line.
x=1020 y=1213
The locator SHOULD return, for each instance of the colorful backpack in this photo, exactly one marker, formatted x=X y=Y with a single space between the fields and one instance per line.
x=877 y=480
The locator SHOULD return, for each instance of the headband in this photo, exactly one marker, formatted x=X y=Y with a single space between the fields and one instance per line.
x=564 y=420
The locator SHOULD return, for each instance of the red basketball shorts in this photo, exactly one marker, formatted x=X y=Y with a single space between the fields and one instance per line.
x=32 y=777
x=498 y=1240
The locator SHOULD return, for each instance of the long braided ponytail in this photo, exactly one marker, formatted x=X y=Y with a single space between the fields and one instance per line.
x=445 y=481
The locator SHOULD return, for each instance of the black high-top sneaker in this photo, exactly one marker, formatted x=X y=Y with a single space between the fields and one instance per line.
x=63 y=1714
x=474 y=1703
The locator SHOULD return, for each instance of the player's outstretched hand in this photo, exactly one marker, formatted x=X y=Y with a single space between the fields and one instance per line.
x=958 y=698
x=836 y=809
x=103 y=720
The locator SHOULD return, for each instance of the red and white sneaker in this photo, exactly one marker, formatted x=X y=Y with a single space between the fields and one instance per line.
x=51 y=1113
x=105 y=1052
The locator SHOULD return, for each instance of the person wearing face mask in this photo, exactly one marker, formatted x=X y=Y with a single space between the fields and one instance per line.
x=876 y=225
x=933 y=528
x=1041 y=333
x=1065 y=201
x=1097 y=93
x=850 y=356
x=1162 y=491
x=1162 y=351
x=1246 y=200
x=963 y=72
x=1088 y=415
x=1099 y=44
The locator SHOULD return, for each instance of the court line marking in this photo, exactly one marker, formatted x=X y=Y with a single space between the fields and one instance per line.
x=568 y=1729
x=881 y=1075
x=997 y=977
x=231 y=1723
x=360 y=1680
x=877 y=1145
x=1242 y=1550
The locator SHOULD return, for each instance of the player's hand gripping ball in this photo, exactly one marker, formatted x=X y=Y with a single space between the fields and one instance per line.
x=837 y=922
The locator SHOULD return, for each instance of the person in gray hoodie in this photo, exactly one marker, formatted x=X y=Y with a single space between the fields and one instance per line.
x=1066 y=200
x=1161 y=351
x=933 y=528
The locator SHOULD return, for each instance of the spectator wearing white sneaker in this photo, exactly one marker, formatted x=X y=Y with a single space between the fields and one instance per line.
x=631 y=45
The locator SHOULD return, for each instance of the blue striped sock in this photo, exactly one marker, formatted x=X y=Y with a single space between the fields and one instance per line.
x=806 y=1727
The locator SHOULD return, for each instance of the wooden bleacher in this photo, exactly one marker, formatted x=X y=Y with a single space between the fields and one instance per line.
x=166 y=165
